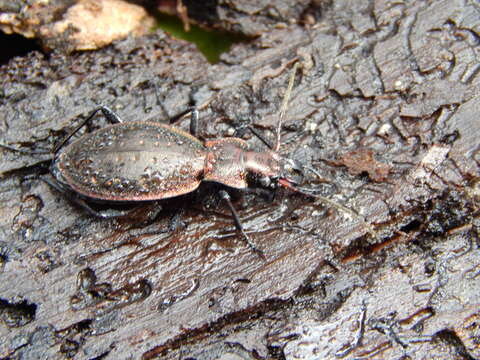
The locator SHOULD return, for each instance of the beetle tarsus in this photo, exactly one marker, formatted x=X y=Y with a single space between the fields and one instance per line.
x=238 y=224
x=103 y=214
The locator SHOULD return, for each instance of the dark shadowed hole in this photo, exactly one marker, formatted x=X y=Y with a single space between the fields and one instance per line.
x=411 y=226
x=101 y=356
x=17 y=314
x=451 y=338
x=84 y=325
x=15 y=45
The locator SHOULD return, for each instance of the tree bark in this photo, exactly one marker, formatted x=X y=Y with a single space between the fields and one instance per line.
x=385 y=111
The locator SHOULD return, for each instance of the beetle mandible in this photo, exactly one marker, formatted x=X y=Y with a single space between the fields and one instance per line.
x=146 y=161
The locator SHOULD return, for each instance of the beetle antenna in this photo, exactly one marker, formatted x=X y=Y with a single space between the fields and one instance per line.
x=283 y=108
x=325 y=200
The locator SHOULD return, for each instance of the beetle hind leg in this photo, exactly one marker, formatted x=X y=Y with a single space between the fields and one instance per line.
x=29 y=152
x=238 y=224
x=73 y=197
x=111 y=116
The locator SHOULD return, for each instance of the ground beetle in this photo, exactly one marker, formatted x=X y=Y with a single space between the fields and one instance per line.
x=145 y=161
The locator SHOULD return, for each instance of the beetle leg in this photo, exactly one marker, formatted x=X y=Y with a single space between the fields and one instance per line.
x=194 y=116
x=240 y=131
x=104 y=214
x=260 y=136
x=267 y=194
x=111 y=115
x=176 y=221
x=107 y=112
x=238 y=224
x=27 y=152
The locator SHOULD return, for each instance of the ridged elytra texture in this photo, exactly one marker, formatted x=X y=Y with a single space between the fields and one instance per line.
x=133 y=161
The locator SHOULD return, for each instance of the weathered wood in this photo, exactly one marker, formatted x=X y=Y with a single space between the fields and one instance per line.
x=387 y=82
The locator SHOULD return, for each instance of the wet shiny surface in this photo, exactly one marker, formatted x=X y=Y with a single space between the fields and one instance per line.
x=134 y=161
x=142 y=288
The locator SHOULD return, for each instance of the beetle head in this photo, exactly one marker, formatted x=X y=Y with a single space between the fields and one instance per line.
x=279 y=171
x=292 y=171
x=269 y=168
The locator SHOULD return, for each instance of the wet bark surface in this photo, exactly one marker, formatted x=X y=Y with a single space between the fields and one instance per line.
x=386 y=113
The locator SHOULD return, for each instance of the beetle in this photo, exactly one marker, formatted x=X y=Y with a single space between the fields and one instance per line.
x=146 y=161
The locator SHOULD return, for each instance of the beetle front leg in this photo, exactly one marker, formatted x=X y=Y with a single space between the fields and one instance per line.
x=238 y=224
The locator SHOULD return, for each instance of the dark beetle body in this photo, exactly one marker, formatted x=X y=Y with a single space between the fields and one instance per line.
x=151 y=161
